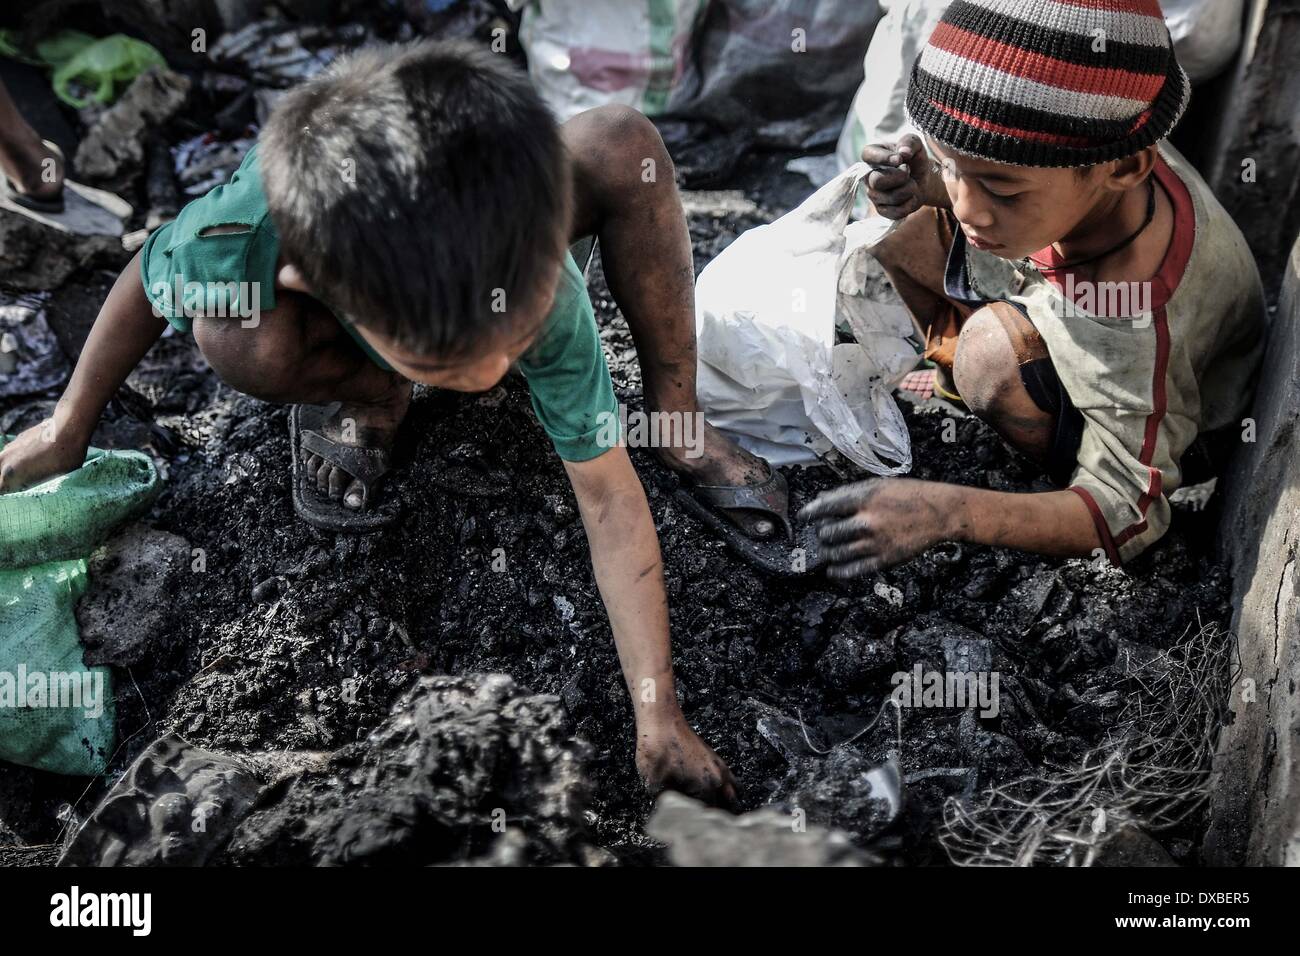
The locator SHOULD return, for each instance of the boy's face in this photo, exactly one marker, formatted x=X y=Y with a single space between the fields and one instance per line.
x=1015 y=211
x=480 y=369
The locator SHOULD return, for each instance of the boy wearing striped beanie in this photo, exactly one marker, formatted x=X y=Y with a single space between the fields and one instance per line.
x=1078 y=285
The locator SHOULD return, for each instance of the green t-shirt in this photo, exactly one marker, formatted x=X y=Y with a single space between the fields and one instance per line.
x=232 y=274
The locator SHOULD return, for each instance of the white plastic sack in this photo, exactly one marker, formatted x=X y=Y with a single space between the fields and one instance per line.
x=1206 y=34
x=587 y=53
x=878 y=112
x=770 y=373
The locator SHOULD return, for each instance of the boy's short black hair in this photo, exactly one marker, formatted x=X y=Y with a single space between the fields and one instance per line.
x=419 y=188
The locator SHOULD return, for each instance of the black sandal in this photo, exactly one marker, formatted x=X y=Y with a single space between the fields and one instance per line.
x=366 y=465
x=15 y=195
x=794 y=553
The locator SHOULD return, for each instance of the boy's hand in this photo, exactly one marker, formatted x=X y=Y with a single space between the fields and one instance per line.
x=912 y=183
x=671 y=756
x=876 y=523
x=40 y=452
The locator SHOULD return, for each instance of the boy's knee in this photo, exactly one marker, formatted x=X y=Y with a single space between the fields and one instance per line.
x=994 y=342
x=264 y=361
x=617 y=139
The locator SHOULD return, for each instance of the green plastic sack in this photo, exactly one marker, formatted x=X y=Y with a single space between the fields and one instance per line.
x=107 y=66
x=58 y=48
x=57 y=714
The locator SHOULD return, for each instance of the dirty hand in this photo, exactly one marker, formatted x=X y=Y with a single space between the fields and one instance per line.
x=38 y=453
x=915 y=182
x=873 y=524
x=673 y=757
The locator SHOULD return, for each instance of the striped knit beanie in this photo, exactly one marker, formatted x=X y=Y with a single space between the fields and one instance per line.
x=1049 y=82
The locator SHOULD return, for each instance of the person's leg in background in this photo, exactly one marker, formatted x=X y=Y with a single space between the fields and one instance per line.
x=33 y=168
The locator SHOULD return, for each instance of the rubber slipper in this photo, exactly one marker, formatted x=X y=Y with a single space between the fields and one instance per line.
x=796 y=553
x=926 y=384
x=16 y=196
x=367 y=465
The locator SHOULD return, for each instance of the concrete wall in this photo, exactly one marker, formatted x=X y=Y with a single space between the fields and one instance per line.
x=1256 y=804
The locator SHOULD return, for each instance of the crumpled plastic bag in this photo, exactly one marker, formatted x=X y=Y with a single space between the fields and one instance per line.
x=879 y=113
x=770 y=371
x=1206 y=34
x=106 y=66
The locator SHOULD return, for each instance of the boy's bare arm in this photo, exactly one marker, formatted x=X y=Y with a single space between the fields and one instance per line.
x=873 y=524
x=123 y=332
x=629 y=573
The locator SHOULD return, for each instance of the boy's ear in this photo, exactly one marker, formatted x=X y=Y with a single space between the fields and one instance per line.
x=1132 y=170
x=290 y=278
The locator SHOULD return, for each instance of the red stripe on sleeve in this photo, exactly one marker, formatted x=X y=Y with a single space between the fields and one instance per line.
x=1152 y=433
x=1103 y=531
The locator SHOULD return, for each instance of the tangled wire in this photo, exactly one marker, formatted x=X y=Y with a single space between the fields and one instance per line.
x=1152 y=771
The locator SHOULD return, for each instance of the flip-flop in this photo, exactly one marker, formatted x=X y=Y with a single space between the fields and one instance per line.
x=796 y=553
x=367 y=465
x=14 y=195
x=925 y=384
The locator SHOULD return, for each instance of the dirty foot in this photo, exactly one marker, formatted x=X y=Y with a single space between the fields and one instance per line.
x=724 y=463
x=364 y=425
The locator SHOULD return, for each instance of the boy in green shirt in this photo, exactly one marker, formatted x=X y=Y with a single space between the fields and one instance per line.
x=405 y=217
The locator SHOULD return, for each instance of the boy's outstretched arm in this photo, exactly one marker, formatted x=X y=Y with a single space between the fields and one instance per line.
x=876 y=523
x=123 y=332
x=629 y=573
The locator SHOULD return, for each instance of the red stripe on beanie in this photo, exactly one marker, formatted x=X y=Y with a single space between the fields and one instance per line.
x=1014 y=131
x=1141 y=121
x=1026 y=64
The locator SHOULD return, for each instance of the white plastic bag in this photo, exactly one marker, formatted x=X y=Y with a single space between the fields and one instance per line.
x=770 y=373
x=1206 y=34
x=878 y=113
x=586 y=53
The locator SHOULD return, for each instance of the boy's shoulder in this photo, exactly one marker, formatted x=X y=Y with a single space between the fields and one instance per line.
x=1216 y=262
x=224 y=236
x=239 y=201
